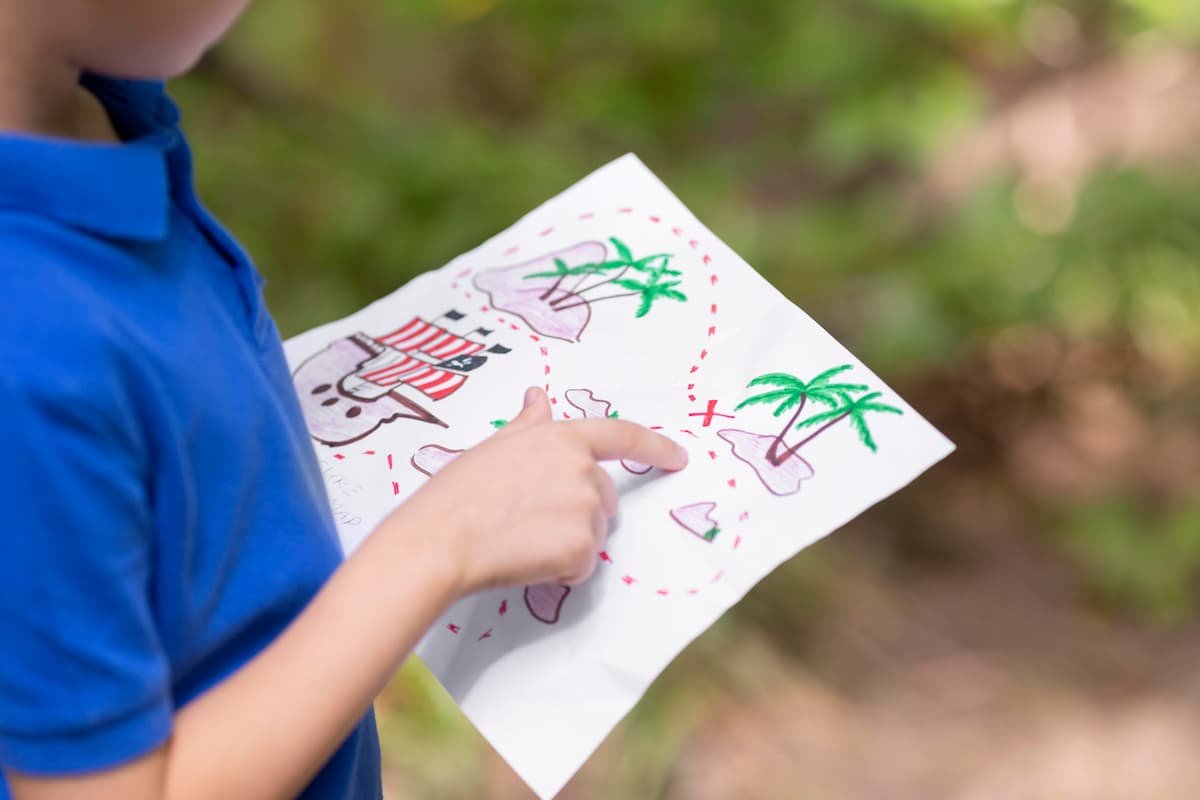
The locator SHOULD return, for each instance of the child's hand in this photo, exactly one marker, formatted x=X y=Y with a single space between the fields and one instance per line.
x=531 y=504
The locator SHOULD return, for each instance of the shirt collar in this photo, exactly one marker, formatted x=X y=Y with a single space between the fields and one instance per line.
x=116 y=190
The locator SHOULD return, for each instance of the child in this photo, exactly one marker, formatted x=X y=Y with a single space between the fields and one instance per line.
x=175 y=617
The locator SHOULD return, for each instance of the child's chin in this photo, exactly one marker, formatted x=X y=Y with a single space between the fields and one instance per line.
x=152 y=67
x=183 y=66
x=175 y=64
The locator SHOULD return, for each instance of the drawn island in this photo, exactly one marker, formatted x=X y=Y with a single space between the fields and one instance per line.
x=555 y=293
x=779 y=465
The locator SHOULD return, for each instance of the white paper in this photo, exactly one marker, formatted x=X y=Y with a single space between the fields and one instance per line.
x=542 y=676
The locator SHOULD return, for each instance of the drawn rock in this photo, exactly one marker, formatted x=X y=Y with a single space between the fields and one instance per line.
x=587 y=403
x=591 y=406
x=545 y=601
x=784 y=479
x=697 y=519
x=547 y=305
x=432 y=457
x=336 y=417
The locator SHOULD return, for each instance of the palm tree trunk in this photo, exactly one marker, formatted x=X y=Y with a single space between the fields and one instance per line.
x=773 y=451
x=582 y=280
x=553 y=288
x=791 y=451
x=596 y=300
x=575 y=290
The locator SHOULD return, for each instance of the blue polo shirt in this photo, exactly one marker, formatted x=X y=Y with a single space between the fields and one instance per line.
x=162 y=516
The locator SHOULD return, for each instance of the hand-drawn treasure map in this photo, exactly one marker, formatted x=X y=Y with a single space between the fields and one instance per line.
x=619 y=303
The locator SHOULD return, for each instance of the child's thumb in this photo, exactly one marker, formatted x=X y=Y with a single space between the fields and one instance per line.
x=536 y=408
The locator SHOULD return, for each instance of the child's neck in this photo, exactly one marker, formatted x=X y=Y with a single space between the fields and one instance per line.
x=40 y=94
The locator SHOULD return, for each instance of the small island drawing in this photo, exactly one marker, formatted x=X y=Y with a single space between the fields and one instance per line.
x=697 y=519
x=555 y=293
x=779 y=465
x=593 y=407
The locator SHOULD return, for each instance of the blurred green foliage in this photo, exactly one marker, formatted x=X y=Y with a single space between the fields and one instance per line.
x=1133 y=559
x=354 y=145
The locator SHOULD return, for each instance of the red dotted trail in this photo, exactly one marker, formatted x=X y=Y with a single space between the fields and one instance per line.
x=545 y=350
x=693 y=368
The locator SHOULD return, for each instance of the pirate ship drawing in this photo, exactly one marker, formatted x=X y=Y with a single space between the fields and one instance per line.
x=361 y=382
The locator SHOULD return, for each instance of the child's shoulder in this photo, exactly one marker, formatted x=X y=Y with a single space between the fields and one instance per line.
x=61 y=331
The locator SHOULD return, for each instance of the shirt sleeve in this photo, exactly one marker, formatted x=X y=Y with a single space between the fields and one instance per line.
x=84 y=680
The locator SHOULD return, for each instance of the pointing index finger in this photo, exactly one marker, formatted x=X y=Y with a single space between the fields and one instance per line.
x=611 y=439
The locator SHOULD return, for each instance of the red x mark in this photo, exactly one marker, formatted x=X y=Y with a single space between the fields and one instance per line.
x=709 y=413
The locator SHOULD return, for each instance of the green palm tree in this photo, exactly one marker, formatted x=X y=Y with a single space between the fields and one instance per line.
x=853 y=409
x=620 y=265
x=623 y=264
x=794 y=393
x=654 y=267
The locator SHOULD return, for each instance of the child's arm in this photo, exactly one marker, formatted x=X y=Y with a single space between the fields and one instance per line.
x=538 y=512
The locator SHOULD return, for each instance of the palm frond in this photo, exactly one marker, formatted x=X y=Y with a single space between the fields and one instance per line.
x=880 y=407
x=667 y=290
x=826 y=398
x=604 y=266
x=794 y=399
x=768 y=397
x=561 y=270
x=663 y=269
x=867 y=398
x=778 y=379
x=829 y=373
x=864 y=432
x=660 y=292
x=643 y=263
x=824 y=416
x=622 y=249
x=845 y=388
x=858 y=414
x=583 y=269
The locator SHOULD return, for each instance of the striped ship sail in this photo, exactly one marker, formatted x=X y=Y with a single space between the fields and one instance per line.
x=410 y=355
